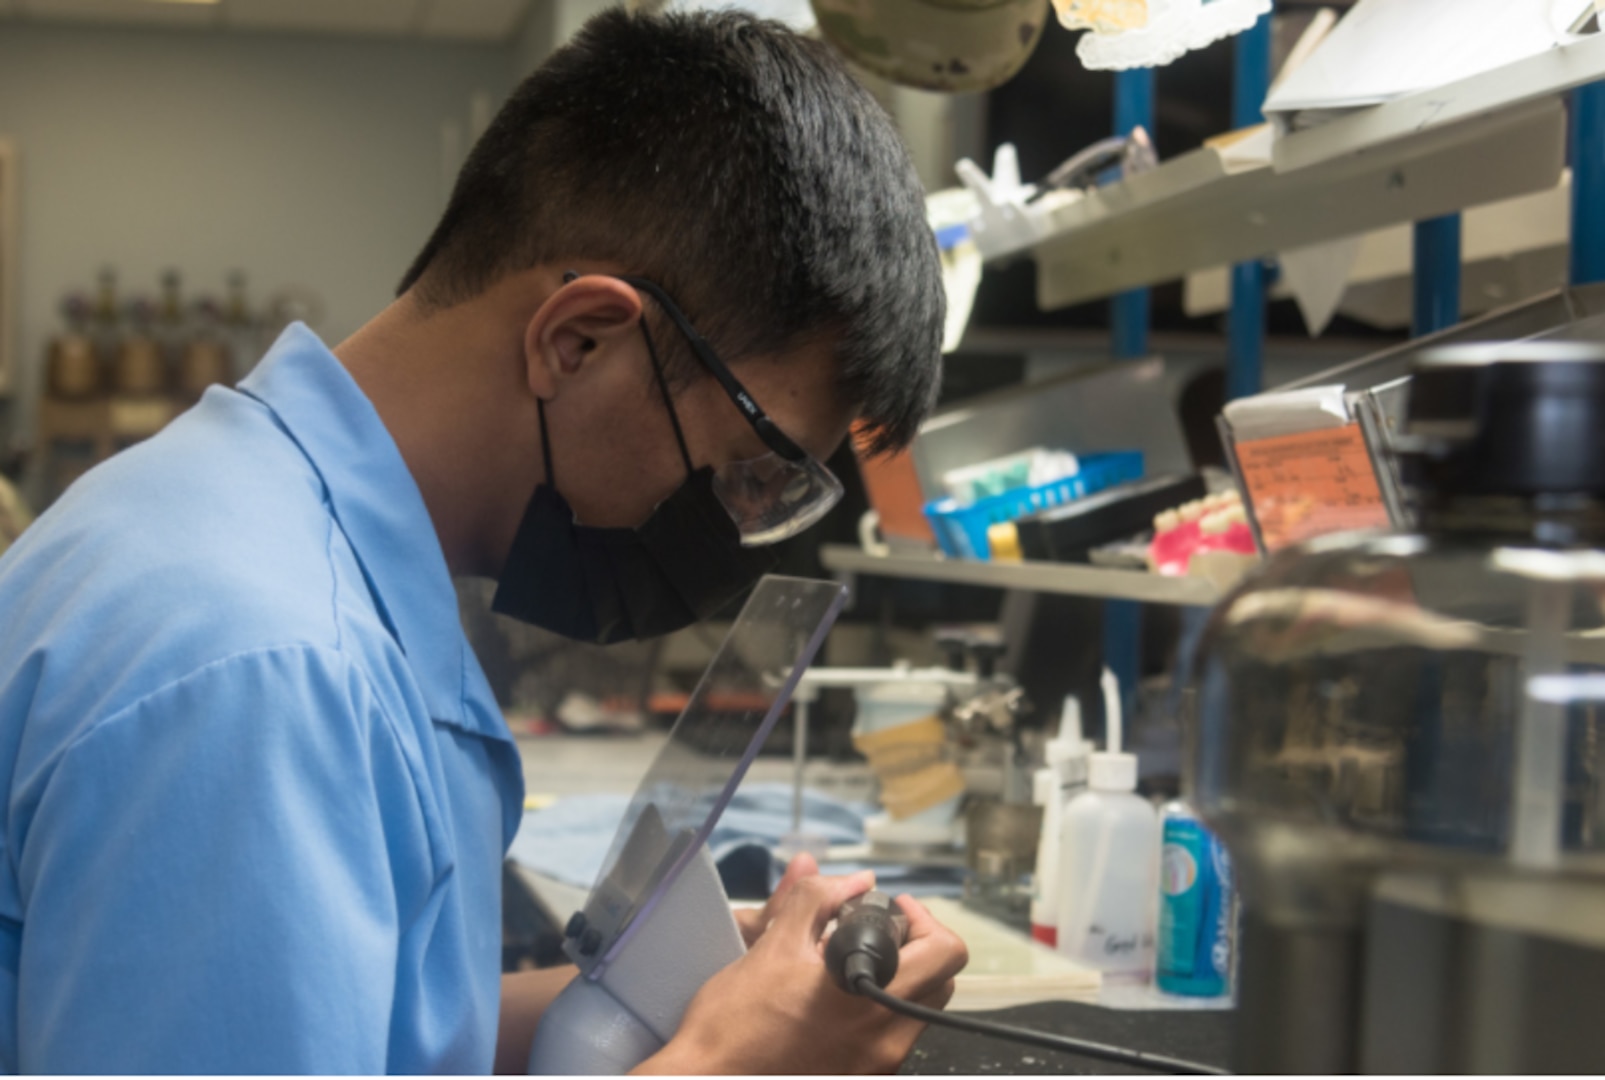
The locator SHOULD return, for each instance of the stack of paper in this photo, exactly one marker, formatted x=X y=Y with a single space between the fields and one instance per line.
x=1006 y=967
x=1384 y=49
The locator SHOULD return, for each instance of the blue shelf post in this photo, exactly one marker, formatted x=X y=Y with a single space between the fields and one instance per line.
x=1588 y=184
x=1245 y=323
x=1128 y=311
x=1128 y=319
x=1436 y=274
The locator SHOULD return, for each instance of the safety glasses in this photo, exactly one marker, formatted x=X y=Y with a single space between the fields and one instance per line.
x=770 y=498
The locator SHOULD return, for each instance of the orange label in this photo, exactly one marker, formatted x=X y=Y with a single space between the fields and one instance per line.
x=1311 y=483
x=893 y=487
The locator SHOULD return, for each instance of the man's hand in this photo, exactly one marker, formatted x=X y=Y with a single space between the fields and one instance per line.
x=776 y=1009
x=753 y=921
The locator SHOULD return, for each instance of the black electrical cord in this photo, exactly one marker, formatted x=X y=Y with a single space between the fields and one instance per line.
x=864 y=983
x=861 y=956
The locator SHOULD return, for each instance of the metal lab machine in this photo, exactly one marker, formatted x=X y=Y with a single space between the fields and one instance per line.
x=1401 y=737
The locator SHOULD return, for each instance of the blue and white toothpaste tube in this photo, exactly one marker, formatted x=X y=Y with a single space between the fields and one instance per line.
x=1195 y=908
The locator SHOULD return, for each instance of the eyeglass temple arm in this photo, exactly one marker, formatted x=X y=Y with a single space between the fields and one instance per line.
x=773 y=437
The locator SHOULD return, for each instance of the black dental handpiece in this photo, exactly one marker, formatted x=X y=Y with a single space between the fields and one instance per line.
x=869 y=930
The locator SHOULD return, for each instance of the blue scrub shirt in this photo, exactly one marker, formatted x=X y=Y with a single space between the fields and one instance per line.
x=256 y=790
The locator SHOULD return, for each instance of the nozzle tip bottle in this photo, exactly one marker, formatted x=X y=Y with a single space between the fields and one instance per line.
x=1063 y=778
x=1108 y=870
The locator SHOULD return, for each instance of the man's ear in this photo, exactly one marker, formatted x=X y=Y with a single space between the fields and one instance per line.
x=585 y=315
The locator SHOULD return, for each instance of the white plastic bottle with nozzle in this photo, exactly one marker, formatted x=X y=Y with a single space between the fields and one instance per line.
x=1108 y=861
x=1063 y=779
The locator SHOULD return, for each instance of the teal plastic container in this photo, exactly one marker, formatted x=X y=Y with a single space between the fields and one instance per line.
x=1196 y=913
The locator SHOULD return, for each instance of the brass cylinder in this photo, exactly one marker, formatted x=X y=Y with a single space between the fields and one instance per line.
x=204 y=362
x=140 y=369
x=74 y=370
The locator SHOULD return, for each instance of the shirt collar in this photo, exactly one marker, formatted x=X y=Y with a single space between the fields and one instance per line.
x=378 y=506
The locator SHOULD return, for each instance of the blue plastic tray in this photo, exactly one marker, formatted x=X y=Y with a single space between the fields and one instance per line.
x=961 y=530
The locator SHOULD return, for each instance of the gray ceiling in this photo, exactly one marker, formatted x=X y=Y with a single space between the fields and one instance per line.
x=462 y=20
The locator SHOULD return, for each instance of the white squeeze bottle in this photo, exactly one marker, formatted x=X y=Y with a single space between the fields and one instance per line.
x=1107 y=863
x=1052 y=787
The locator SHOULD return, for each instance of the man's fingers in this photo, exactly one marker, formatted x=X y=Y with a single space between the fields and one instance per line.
x=751 y=922
x=812 y=902
x=928 y=964
x=754 y=921
x=926 y=935
x=921 y=923
x=938 y=998
x=932 y=957
x=801 y=866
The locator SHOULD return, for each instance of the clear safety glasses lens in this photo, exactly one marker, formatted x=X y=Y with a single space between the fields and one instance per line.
x=771 y=498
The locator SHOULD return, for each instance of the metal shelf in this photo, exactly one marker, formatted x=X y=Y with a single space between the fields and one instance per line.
x=1454 y=110
x=1493 y=136
x=1199 y=211
x=1062 y=578
x=1512 y=249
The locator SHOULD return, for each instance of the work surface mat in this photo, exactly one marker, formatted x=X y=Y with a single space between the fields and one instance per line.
x=1204 y=1037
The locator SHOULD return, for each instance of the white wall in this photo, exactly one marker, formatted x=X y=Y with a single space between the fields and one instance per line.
x=938 y=129
x=312 y=162
x=551 y=23
x=305 y=161
x=533 y=42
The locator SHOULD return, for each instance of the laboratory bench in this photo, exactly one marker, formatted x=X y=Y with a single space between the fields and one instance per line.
x=568 y=766
x=1203 y=1035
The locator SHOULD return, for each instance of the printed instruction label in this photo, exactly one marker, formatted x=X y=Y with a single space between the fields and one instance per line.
x=1311 y=483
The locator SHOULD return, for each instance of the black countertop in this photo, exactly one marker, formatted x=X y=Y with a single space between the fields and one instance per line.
x=1204 y=1036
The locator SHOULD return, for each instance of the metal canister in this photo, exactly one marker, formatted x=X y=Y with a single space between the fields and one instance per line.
x=205 y=361
x=140 y=367
x=74 y=370
x=1001 y=846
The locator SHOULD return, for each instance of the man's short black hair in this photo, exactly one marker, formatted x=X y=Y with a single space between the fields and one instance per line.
x=737 y=164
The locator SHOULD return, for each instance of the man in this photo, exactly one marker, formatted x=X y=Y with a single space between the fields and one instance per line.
x=256 y=791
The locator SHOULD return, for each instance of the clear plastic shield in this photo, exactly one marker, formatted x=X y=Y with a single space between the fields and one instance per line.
x=732 y=711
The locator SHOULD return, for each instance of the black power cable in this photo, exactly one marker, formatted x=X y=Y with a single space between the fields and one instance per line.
x=865 y=985
x=861 y=956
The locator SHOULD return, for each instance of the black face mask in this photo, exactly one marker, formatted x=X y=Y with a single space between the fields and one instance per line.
x=614 y=584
